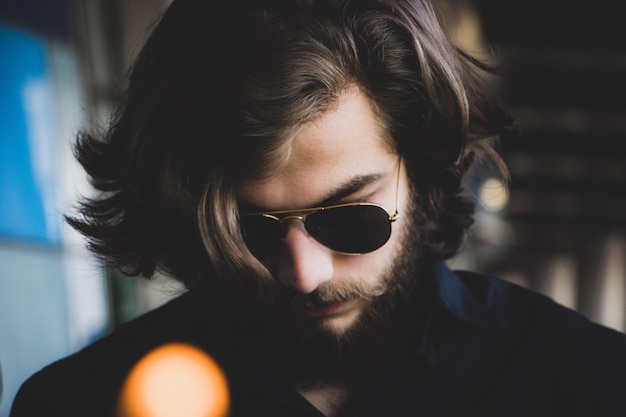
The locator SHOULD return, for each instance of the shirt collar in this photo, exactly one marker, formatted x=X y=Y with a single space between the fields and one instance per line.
x=455 y=296
x=456 y=299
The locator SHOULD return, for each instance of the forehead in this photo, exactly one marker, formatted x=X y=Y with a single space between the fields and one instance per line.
x=347 y=142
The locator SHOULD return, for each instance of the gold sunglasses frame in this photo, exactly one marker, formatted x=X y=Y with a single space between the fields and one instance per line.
x=283 y=215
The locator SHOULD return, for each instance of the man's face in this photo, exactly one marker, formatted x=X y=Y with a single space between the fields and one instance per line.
x=340 y=157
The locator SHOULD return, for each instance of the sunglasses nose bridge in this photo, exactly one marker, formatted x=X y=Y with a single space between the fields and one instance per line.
x=284 y=219
x=285 y=224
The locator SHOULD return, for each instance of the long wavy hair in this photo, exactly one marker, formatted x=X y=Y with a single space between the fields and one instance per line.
x=220 y=89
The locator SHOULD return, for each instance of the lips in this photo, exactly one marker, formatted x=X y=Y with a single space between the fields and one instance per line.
x=324 y=310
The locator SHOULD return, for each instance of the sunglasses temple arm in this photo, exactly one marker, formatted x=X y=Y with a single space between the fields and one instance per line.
x=395 y=215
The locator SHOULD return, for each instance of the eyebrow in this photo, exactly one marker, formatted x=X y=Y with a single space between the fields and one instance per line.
x=350 y=187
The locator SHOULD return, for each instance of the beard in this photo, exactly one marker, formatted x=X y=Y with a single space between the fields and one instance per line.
x=309 y=351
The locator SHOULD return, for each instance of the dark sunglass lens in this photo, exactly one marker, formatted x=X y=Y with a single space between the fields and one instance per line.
x=262 y=234
x=350 y=229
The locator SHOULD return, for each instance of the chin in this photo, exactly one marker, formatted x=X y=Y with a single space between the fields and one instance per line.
x=341 y=325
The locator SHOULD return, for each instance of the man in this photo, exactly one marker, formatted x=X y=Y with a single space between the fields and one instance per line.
x=299 y=166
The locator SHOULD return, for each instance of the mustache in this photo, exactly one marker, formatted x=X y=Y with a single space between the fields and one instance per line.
x=333 y=292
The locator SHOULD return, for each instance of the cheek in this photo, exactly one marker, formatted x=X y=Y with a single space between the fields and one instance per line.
x=372 y=266
x=368 y=267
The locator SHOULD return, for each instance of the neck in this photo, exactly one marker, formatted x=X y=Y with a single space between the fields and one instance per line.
x=330 y=397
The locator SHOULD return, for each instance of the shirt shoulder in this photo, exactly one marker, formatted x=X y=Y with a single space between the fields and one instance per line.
x=90 y=379
x=553 y=348
x=524 y=309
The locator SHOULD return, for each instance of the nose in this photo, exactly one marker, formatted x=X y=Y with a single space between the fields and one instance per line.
x=304 y=263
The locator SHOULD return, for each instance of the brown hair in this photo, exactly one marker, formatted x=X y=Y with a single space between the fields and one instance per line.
x=218 y=91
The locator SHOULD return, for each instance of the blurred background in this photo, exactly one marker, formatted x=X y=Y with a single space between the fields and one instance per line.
x=560 y=227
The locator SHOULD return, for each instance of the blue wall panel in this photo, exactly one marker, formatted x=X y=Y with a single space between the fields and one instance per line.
x=28 y=141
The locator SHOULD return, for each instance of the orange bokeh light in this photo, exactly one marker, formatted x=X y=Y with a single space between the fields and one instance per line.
x=175 y=380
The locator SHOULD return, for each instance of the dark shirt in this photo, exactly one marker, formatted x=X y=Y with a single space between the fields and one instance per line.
x=488 y=348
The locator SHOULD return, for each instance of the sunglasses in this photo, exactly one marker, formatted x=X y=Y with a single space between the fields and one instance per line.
x=350 y=228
